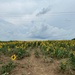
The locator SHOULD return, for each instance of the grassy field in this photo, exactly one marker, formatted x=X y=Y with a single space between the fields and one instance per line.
x=37 y=57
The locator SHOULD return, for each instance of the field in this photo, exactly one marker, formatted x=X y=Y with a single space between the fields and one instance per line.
x=37 y=57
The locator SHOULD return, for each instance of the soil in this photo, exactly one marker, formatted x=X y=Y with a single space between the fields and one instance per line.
x=33 y=66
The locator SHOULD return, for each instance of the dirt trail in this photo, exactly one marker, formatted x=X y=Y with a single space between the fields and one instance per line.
x=40 y=68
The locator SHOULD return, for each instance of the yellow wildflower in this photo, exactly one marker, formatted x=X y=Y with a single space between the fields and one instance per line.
x=13 y=57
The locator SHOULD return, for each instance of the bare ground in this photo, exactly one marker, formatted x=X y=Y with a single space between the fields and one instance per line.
x=33 y=66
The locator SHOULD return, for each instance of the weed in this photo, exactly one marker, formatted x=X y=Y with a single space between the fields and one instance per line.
x=7 y=68
x=36 y=54
x=63 y=66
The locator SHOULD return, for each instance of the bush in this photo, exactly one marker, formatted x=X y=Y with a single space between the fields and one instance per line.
x=20 y=53
x=63 y=66
x=72 y=61
x=37 y=54
x=7 y=68
x=73 y=39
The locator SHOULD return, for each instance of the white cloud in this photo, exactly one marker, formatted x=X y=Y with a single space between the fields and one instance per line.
x=20 y=20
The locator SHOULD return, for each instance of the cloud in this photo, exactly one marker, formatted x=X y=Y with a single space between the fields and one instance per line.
x=32 y=19
x=30 y=32
x=45 y=31
x=43 y=11
x=16 y=8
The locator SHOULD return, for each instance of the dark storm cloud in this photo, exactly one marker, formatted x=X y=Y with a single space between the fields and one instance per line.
x=44 y=11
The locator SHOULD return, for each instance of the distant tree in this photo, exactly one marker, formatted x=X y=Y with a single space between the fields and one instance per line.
x=73 y=39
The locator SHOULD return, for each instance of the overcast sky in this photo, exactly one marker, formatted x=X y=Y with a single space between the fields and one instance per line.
x=37 y=19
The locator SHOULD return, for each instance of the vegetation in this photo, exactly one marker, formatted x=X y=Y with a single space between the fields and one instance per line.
x=18 y=50
x=73 y=39
x=7 y=68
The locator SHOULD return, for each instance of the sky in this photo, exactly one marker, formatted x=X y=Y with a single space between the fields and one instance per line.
x=37 y=19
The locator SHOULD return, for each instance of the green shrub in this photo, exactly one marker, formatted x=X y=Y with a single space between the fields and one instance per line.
x=20 y=53
x=7 y=68
x=36 y=54
x=72 y=61
x=63 y=66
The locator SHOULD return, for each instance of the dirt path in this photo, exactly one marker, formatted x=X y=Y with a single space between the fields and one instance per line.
x=40 y=68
